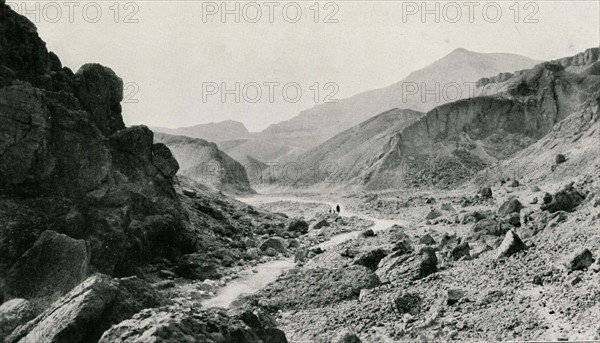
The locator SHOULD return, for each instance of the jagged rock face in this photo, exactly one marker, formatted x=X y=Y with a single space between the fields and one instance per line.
x=88 y=310
x=100 y=91
x=23 y=51
x=68 y=164
x=204 y=162
x=453 y=141
x=53 y=266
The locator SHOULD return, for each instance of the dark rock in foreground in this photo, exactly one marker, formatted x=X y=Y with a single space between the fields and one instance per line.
x=52 y=267
x=89 y=309
x=173 y=324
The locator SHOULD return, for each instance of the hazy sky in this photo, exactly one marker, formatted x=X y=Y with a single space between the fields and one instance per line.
x=178 y=50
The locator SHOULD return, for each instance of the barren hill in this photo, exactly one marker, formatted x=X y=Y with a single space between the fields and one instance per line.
x=460 y=67
x=453 y=141
x=213 y=132
x=203 y=162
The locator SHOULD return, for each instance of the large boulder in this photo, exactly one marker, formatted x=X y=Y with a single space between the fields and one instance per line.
x=408 y=303
x=321 y=223
x=512 y=205
x=370 y=259
x=49 y=269
x=196 y=266
x=433 y=213
x=511 y=245
x=347 y=337
x=563 y=200
x=276 y=243
x=407 y=266
x=83 y=314
x=14 y=313
x=298 y=225
x=72 y=317
x=100 y=91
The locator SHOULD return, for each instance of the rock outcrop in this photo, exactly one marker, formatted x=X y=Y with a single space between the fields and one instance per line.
x=68 y=164
x=83 y=314
x=511 y=245
x=204 y=162
x=453 y=142
x=49 y=269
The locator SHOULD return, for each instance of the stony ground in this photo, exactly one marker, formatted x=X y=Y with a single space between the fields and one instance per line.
x=531 y=294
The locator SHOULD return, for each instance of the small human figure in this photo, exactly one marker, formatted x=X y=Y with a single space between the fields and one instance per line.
x=337 y=208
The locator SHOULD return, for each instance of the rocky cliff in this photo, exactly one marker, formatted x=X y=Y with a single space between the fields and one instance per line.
x=512 y=111
x=69 y=165
x=202 y=161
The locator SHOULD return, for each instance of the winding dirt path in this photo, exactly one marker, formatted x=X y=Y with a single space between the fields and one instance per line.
x=268 y=272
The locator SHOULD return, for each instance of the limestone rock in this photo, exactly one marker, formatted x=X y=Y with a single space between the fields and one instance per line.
x=316 y=287
x=510 y=245
x=485 y=192
x=433 y=213
x=511 y=205
x=407 y=266
x=83 y=314
x=459 y=251
x=321 y=223
x=70 y=318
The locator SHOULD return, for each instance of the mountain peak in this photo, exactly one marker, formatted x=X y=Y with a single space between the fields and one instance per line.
x=460 y=51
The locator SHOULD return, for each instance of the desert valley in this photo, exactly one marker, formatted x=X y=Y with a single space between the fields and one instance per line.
x=385 y=219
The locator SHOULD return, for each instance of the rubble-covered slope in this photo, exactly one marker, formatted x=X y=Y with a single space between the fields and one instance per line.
x=453 y=141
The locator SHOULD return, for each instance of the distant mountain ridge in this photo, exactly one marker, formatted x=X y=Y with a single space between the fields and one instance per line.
x=452 y=142
x=214 y=132
x=460 y=67
x=289 y=139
